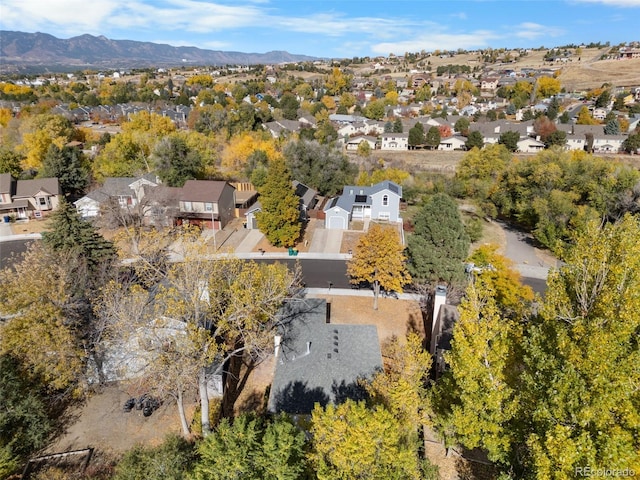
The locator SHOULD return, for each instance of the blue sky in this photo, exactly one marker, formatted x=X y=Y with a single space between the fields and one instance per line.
x=330 y=28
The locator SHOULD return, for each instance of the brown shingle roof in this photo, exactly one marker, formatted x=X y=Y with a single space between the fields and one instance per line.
x=28 y=188
x=203 y=190
x=5 y=183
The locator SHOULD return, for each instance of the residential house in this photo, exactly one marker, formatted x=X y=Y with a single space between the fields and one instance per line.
x=453 y=143
x=377 y=202
x=530 y=145
x=26 y=199
x=420 y=79
x=207 y=203
x=353 y=143
x=320 y=362
x=394 y=141
x=308 y=200
x=607 y=143
x=128 y=191
x=489 y=83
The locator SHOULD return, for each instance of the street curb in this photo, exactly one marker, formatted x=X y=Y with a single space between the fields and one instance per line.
x=22 y=236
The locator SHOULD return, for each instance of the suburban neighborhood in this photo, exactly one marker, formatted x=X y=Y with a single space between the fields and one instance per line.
x=375 y=267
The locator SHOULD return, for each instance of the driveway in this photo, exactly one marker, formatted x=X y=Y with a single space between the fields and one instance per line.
x=5 y=229
x=326 y=241
x=530 y=261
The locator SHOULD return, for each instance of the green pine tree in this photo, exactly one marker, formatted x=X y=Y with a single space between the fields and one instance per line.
x=440 y=244
x=279 y=218
x=70 y=234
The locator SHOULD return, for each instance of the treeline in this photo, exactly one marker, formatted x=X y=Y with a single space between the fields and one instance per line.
x=550 y=194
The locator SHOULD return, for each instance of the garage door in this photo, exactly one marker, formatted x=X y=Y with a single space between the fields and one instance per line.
x=336 y=222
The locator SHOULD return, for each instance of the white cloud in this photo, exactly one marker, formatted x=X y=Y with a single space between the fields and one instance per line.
x=532 y=31
x=613 y=3
x=435 y=41
x=69 y=16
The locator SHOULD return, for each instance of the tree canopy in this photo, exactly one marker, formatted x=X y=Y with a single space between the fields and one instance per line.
x=550 y=390
x=379 y=260
x=439 y=244
x=279 y=218
x=323 y=167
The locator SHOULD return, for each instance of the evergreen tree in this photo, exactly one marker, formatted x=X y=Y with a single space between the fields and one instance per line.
x=246 y=449
x=172 y=460
x=69 y=166
x=475 y=139
x=510 y=140
x=176 y=162
x=439 y=244
x=72 y=235
x=612 y=127
x=397 y=126
x=432 y=138
x=279 y=218
x=416 y=135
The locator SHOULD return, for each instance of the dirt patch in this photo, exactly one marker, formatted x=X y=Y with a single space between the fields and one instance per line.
x=102 y=423
x=349 y=241
x=393 y=317
x=23 y=227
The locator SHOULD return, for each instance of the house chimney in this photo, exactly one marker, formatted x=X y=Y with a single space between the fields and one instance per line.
x=308 y=348
x=276 y=343
x=439 y=299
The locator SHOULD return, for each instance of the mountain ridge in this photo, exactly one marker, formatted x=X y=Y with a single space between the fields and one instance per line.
x=21 y=51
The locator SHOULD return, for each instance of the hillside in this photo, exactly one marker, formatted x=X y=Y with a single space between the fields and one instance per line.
x=19 y=51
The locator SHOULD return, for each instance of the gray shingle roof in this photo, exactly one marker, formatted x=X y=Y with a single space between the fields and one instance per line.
x=320 y=362
x=359 y=195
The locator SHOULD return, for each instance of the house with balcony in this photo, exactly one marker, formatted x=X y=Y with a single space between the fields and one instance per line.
x=379 y=202
x=206 y=203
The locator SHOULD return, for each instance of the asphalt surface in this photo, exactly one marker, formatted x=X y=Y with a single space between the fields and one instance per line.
x=316 y=273
x=11 y=249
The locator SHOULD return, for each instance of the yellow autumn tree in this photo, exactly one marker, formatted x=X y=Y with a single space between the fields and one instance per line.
x=149 y=122
x=379 y=260
x=585 y=118
x=547 y=87
x=39 y=132
x=235 y=154
x=39 y=328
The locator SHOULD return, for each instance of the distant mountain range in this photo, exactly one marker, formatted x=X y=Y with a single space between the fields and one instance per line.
x=41 y=52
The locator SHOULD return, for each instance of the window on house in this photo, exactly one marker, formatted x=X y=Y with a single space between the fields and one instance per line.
x=188 y=206
x=385 y=200
x=208 y=207
x=42 y=201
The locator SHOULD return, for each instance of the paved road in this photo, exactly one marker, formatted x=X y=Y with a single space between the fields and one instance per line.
x=317 y=273
x=521 y=249
x=11 y=248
